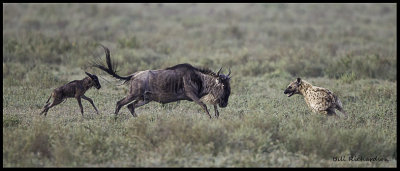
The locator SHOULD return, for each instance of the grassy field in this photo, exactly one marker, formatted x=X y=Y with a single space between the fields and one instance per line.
x=347 y=48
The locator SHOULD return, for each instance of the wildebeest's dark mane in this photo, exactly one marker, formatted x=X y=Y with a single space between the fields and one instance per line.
x=188 y=66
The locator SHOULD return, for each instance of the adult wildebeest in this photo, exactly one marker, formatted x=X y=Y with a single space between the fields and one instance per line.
x=74 y=89
x=179 y=82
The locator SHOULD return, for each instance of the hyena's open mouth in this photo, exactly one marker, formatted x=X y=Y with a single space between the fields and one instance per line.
x=288 y=93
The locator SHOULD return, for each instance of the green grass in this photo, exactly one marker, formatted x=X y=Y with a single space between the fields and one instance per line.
x=260 y=127
x=347 y=48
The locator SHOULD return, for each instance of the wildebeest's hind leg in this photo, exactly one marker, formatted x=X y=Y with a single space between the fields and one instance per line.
x=44 y=108
x=124 y=101
x=91 y=102
x=47 y=104
x=56 y=101
x=136 y=104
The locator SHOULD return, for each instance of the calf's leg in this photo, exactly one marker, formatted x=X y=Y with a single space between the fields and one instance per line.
x=91 y=102
x=80 y=104
x=56 y=101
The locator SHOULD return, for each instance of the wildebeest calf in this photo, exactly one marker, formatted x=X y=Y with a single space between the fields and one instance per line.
x=74 y=89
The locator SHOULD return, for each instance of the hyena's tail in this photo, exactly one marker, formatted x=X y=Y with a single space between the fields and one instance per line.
x=339 y=106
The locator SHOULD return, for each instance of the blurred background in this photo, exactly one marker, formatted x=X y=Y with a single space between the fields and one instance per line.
x=337 y=41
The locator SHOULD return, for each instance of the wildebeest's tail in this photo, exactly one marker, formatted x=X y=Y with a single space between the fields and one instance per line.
x=110 y=69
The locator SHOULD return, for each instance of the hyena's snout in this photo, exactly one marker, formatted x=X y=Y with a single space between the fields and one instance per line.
x=289 y=92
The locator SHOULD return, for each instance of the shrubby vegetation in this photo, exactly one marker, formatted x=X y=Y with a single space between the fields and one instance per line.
x=347 y=48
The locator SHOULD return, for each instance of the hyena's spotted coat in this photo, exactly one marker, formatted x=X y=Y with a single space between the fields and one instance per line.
x=318 y=99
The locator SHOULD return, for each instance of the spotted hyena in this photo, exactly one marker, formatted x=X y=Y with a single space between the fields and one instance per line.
x=318 y=99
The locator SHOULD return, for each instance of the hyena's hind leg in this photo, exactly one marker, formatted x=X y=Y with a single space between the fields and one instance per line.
x=331 y=111
x=340 y=108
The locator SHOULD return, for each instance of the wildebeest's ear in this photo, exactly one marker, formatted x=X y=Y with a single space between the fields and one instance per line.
x=298 y=81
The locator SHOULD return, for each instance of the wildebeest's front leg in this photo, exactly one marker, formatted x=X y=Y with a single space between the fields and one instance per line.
x=123 y=102
x=190 y=90
x=216 y=111
x=91 y=102
x=197 y=100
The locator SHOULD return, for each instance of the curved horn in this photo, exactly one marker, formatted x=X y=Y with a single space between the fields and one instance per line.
x=229 y=72
x=219 y=71
x=90 y=75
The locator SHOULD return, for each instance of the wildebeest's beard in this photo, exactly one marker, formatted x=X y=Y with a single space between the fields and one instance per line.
x=225 y=92
x=223 y=102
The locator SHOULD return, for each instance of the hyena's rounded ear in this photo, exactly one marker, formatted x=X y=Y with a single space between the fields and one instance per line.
x=298 y=81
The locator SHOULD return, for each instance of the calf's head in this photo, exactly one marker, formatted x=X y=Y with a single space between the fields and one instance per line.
x=95 y=80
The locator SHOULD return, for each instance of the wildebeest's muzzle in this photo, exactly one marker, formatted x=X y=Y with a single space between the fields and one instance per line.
x=223 y=101
x=96 y=83
x=223 y=104
x=98 y=86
